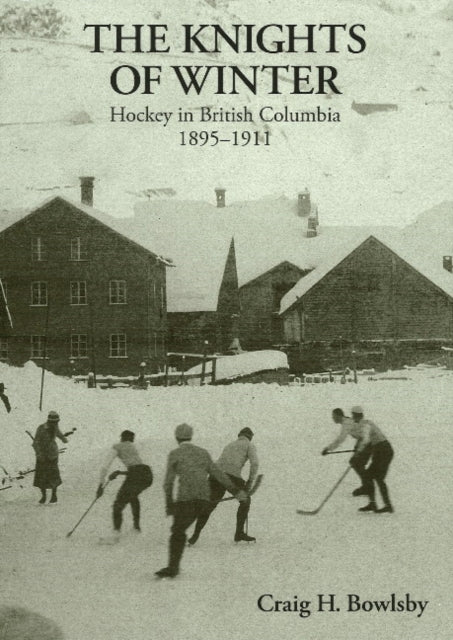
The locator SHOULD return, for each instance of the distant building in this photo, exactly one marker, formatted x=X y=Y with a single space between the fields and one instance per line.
x=232 y=265
x=96 y=295
x=260 y=323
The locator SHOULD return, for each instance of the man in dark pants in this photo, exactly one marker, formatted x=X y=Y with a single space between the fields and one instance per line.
x=138 y=477
x=381 y=454
x=232 y=460
x=352 y=427
x=192 y=466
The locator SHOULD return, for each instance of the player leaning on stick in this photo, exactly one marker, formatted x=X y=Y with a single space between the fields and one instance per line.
x=138 y=477
x=371 y=443
x=360 y=458
x=232 y=460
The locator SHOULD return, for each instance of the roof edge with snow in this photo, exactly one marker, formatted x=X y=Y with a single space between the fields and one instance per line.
x=305 y=284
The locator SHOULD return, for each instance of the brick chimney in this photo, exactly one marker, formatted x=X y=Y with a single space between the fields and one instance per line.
x=312 y=223
x=304 y=204
x=448 y=263
x=220 y=197
x=86 y=190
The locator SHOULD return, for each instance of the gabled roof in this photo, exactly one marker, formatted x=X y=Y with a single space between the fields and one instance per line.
x=197 y=235
x=406 y=251
x=17 y=217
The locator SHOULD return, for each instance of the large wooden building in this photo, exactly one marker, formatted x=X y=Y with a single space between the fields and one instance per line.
x=372 y=292
x=79 y=293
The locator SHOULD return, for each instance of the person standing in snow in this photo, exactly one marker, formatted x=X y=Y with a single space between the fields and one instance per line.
x=381 y=457
x=358 y=461
x=4 y=397
x=192 y=466
x=141 y=382
x=138 y=478
x=47 y=473
x=232 y=460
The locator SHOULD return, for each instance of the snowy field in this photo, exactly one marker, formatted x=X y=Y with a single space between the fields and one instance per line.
x=109 y=592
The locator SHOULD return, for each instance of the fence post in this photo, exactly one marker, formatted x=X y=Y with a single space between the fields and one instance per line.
x=203 y=364
x=354 y=365
x=166 y=371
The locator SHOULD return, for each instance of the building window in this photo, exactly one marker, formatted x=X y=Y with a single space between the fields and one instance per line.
x=38 y=252
x=79 y=345
x=78 y=292
x=78 y=250
x=39 y=294
x=117 y=292
x=118 y=345
x=3 y=348
x=37 y=346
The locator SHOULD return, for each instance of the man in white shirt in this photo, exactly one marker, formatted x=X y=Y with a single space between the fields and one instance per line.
x=371 y=443
x=361 y=453
x=231 y=461
x=138 y=477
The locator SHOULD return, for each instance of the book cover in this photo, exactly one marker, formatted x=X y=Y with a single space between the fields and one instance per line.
x=226 y=219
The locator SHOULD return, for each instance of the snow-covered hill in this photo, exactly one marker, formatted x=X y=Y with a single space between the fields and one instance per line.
x=385 y=167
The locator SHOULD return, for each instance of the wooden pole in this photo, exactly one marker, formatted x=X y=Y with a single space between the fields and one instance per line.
x=354 y=364
x=44 y=357
x=183 y=380
x=93 y=347
x=166 y=372
x=203 y=364
x=214 y=371
x=6 y=303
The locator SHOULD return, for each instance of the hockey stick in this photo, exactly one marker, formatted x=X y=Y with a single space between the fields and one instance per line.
x=303 y=512
x=329 y=453
x=69 y=534
x=256 y=485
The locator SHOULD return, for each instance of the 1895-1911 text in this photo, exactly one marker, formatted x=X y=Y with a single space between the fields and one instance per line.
x=213 y=138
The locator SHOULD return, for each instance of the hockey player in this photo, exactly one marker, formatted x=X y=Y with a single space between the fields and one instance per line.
x=232 y=460
x=138 y=477
x=350 y=427
x=381 y=453
x=192 y=466
x=4 y=397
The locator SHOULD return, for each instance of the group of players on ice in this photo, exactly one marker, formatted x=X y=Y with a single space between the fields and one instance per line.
x=203 y=483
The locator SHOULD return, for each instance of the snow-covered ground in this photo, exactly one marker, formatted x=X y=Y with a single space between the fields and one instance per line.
x=109 y=592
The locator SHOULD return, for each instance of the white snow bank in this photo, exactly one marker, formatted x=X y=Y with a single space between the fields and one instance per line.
x=243 y=364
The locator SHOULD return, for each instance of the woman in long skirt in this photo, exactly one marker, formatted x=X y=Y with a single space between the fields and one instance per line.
x=47 y=473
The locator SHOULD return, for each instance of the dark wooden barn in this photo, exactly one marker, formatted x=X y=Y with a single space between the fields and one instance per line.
x=371 y=294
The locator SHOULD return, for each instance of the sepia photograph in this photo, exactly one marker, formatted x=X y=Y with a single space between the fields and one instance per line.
x=226 y=319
